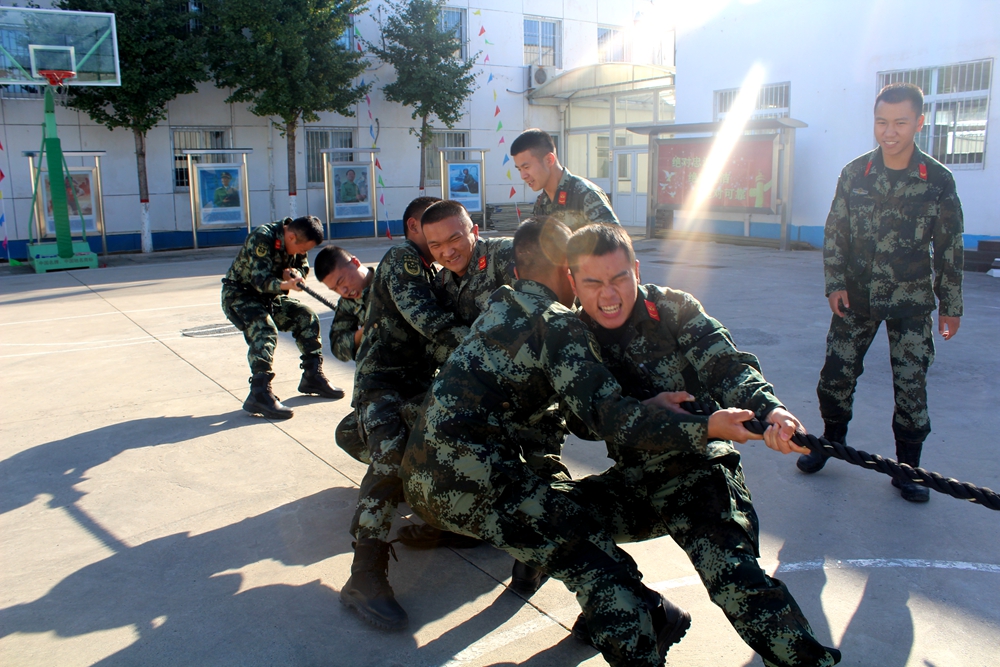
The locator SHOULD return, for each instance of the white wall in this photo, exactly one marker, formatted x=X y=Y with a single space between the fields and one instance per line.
x=830 y=51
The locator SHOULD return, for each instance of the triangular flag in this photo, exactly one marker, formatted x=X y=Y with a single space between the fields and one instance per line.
x=497 y=113
x=477 y=13
x=371 y=130
x=377 y=165
x=381 y=199
x=508 y=175
x=513 y=191
x=482 y=31
x=380 y=182
x=359 y=48
x=1 y=178
x=356 y=31
x=501 y=141
x=1 y=147
x=491 y=78
x=368 y=99
x=506 y=158
x=488 y=42
x=370 y=117
x=494 y=96
x=487 y=59
x=499 y=123
x=362 y=82
x=518 y=209
x=387 y=232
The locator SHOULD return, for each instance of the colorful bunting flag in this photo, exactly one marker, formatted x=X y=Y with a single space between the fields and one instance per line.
x=501 y=141
x=381 y=198
x=497 y=112
x=477 y=13
x=378 y=165
x=494 y=95
x=482 y=31
x=489 y=42
x=508 y=175
x=487 y=59
x=490 y=79
x=371 y=131
x=499 y=126
x=380 y=182
x=513 y=191
x=506 y=158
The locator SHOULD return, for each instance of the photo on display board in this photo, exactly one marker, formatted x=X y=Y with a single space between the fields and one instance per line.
x=352 y=192
x=464 y=185
x=79 y=202
x=220 y=190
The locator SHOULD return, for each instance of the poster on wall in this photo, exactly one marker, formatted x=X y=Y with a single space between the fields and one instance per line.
x=79 y=200
x=745 y=184
x=464 y=185
x=221 y=197
x=352 y=192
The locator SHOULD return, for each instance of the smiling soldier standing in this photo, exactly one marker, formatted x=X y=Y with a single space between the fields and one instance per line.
x=892 y=206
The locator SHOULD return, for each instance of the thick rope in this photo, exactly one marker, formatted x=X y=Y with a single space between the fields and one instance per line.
x=316 y=295
x=900 y=471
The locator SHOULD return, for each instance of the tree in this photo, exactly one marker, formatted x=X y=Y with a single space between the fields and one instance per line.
x=285 y=59
x=160 y=57
x=431 y=76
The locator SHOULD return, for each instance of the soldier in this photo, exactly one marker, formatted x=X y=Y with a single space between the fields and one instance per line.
x=891 y=207
x=657 y=340
x=463 y=468
x=255 y=299
x=343 y=273
x=406 y=335
x=570 y=199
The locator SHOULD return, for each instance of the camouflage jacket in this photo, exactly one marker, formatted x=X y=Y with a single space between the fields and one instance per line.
x=407 y=332
x=491 y=266
x=525 y=353
x=878 y=239
x=578 y=202
x=671 y=344
x=258 y=268
x=346 y=319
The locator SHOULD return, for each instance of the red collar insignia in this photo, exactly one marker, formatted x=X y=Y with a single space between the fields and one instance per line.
x=868 y=168
x=651 y=309
x=482 y=263
x=562 y=198
x=277 y=244
x=923 y=171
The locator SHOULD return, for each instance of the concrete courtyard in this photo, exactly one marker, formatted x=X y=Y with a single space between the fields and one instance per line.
x=147 y=520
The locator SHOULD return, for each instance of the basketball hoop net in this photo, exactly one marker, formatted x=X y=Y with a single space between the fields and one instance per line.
x=56 y=77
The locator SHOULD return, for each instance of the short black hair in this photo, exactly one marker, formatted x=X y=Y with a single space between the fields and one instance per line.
x=415 y=209
x=898 y=92
x=537 y=141
x=329 y=259
x=307 y=228
x=444 y=209
x=598 y=239
x=540 y=246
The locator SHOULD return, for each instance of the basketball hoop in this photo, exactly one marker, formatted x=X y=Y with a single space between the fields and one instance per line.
x=56 y=77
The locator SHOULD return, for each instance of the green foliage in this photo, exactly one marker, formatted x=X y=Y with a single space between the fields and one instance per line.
x=431 y=77
x=282 y=57
x=160 y=58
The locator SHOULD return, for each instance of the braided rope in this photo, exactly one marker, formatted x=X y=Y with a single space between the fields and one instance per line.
x=900 y=471
x=316 y=295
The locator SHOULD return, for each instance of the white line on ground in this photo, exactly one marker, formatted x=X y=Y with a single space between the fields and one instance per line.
x=114 y=312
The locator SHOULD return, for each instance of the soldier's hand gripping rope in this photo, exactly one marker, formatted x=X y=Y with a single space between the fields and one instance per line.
x=311 y=292
x=901 y=471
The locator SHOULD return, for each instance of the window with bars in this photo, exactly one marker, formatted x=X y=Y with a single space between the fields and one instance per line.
x=320 y=138
x=444 y=140
x=611 y=45
x=197 y=137
x=454 y=20
x=773 y=101
x=541 y=43
x=956 y=106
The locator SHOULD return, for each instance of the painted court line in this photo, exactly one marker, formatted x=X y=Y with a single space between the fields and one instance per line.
x=113 y=312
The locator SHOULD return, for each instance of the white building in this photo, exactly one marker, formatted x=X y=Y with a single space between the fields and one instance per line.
x=609 y=64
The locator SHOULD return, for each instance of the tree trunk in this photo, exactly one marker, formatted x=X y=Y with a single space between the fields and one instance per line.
x=146 y=234
x=423 y=153
x=290 y=127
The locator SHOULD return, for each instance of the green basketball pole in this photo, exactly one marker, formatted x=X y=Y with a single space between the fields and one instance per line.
x=57 y=179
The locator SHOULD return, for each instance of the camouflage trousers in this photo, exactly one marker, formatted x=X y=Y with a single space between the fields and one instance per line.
x=911 y=352
x=490 y=493
x=708 y=513
x=260 y=322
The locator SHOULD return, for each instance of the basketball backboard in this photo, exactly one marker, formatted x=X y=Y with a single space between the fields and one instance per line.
x=35 y=41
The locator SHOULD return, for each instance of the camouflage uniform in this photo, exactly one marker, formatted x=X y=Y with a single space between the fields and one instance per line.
x=346 y=320
x=406 y=335
x=877 y=247
x=491 y=265
x=578 y=202
x=253 y=301
x=463 y=468
x=700 y=500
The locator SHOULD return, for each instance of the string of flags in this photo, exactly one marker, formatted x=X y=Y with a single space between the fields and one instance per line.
x=3 y=214
x=372 y=121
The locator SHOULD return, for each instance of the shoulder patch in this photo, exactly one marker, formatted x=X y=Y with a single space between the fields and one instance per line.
x=260 y=249
x=923 y=171
x=595 y=348
x=411 y=266
x=651 y=309
x=562 y=198
x=482 y=263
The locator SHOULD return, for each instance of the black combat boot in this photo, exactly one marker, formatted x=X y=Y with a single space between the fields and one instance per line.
x=526 y=580
x=670 y=622
x=426 y=536
x=815 y=460
x=262 y=400
x=368 y=591
x=909 y=453
x=314 y=382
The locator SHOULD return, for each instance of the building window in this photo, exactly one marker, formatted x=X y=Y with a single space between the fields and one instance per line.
x=541 y=43
x=321 y=138
x=611 y=45
x=773 y=101
x=454 y=20
x=956 y=106
x=192 y=138
x=447 y=139
x=346 y=39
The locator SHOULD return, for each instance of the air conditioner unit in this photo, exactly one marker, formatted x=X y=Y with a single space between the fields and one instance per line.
x=538 y=75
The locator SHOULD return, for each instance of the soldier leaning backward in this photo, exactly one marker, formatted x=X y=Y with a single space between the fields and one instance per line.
x=463 y=469
x=654 y=340
x=406 y=334
x=255 y=299
x=892 y=206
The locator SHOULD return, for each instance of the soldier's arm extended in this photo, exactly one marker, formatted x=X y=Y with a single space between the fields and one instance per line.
x=949 y=253
x=837 y=238
x=343 y=329
x=419 y=306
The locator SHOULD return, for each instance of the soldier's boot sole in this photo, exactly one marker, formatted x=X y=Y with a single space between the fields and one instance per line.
x=671 y=623
x=314 y=385
x=257 y=408
x=383 y=612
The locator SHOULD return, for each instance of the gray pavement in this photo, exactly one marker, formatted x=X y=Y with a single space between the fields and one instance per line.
x=147 y=520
